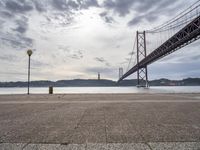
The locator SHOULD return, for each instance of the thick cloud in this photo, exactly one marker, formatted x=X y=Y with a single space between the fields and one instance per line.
x=22 y=25
x=152 y=10
x=61 y=14
x=150 y=17
x=140 y=6
x=135 y=21
x=5 y=14
x=85 y=4
x=13 y=30
x=65 y=5
x=71 y=5
x=39 y=5
x=106 y=18
x=145 y=10
x=122 y=7
x=23 y=6
x=18 y=6
x=17 y=41
x=15 y=37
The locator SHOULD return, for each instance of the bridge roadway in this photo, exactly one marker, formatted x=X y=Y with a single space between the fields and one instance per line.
x=100 y=121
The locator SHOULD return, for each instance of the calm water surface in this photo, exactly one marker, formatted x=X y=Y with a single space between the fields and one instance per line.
x=66 y=90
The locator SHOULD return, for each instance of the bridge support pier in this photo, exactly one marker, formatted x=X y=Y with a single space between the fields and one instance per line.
x=142 y=73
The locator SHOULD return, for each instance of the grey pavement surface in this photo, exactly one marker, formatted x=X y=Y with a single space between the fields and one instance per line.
x=100 y=121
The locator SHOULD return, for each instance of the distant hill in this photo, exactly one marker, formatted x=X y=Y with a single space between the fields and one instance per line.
x=61 y=83
x=184 y=82
x=102 y=83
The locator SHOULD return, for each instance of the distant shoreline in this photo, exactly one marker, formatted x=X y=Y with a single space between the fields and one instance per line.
x=101 y=83
x=103 y=86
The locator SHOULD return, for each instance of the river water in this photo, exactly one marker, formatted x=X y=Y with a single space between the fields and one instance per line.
x=70 y=90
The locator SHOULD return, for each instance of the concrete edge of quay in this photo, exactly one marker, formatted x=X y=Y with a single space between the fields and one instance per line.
x=103 y=146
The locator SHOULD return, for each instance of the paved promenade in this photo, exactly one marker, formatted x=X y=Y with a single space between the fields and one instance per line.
x=100 y=121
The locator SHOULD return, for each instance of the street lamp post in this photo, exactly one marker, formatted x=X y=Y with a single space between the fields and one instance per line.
x=29 y=52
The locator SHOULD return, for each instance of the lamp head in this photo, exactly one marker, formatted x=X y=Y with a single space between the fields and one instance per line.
x=29 y=52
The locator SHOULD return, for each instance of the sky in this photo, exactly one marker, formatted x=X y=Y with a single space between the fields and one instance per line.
x=76 y=39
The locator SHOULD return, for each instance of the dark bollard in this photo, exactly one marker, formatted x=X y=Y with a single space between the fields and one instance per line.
x=51 y=90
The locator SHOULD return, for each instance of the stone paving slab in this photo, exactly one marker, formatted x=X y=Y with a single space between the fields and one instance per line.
x=12 y=146
x=175 y=146
x=118 y=146
x=103 y=146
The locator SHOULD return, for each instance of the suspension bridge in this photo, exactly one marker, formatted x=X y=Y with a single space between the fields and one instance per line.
x=156 y=43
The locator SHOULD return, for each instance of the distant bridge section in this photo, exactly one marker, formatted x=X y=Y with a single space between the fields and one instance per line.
x=185 y=36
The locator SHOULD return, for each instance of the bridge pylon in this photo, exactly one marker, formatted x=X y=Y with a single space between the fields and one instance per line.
x=142 y=73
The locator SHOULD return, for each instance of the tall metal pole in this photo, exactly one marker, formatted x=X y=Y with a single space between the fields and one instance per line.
x=29 y=52
x=29 y=58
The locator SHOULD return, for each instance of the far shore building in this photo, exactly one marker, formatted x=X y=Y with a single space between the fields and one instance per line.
x=99 y=76
x=120 y=72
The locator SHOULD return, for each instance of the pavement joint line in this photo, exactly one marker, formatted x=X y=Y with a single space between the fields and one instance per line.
x=77 y=126
x=145 y=142
x=26 y=144
x=100 y=101
x=148 y=145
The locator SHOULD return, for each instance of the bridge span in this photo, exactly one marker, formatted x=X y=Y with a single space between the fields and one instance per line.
x=185 y=36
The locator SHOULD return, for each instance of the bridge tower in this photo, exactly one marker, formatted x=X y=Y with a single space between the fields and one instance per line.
x=142 y=74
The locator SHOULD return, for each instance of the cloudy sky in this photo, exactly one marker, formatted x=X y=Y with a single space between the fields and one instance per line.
x=77 y=38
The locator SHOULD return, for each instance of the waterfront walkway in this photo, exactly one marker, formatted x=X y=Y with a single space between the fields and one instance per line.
x=100 y=121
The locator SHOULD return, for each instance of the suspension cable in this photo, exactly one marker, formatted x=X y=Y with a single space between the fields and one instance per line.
x=180 y=15
x=131 y=54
